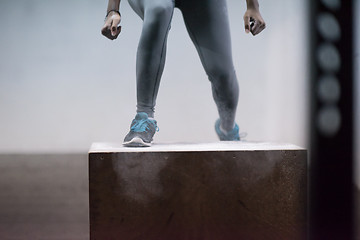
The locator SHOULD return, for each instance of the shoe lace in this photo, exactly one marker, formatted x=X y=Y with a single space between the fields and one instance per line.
x=143 y=125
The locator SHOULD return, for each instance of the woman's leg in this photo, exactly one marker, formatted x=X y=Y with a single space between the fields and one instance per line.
x=208 y=27
x=156 y=15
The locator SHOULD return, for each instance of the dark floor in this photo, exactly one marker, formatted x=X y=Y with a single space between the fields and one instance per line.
x=46 y=197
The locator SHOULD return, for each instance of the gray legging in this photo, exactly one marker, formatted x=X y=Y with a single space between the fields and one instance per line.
x=208 y=27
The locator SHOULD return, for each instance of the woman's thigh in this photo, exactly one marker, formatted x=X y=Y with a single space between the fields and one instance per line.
x=208 y=27
x=147 y=7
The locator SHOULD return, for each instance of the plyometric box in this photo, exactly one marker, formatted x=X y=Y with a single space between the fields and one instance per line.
x=215 y=191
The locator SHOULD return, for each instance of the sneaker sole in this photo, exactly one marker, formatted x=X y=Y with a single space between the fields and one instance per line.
x=136 y=142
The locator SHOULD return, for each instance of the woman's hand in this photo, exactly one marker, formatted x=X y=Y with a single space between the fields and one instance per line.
x=254 y=23
x=111 y=28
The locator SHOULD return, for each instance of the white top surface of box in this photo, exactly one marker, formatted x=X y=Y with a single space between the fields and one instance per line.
x=194 y=147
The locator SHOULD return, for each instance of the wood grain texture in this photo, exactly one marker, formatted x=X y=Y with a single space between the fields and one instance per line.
x=198 y=195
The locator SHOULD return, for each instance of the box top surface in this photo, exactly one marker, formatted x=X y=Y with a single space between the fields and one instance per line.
x=103 y=147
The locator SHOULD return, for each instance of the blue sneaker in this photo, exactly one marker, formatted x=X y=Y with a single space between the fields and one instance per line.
x=142 y=130
x=232 y=135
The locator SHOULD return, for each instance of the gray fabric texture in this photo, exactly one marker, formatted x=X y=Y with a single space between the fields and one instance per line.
x=207 y=24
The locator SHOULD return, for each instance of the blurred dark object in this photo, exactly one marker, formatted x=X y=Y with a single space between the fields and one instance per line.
x=332 y=114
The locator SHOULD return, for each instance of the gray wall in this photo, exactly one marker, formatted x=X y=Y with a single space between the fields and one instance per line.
x=64 y=86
